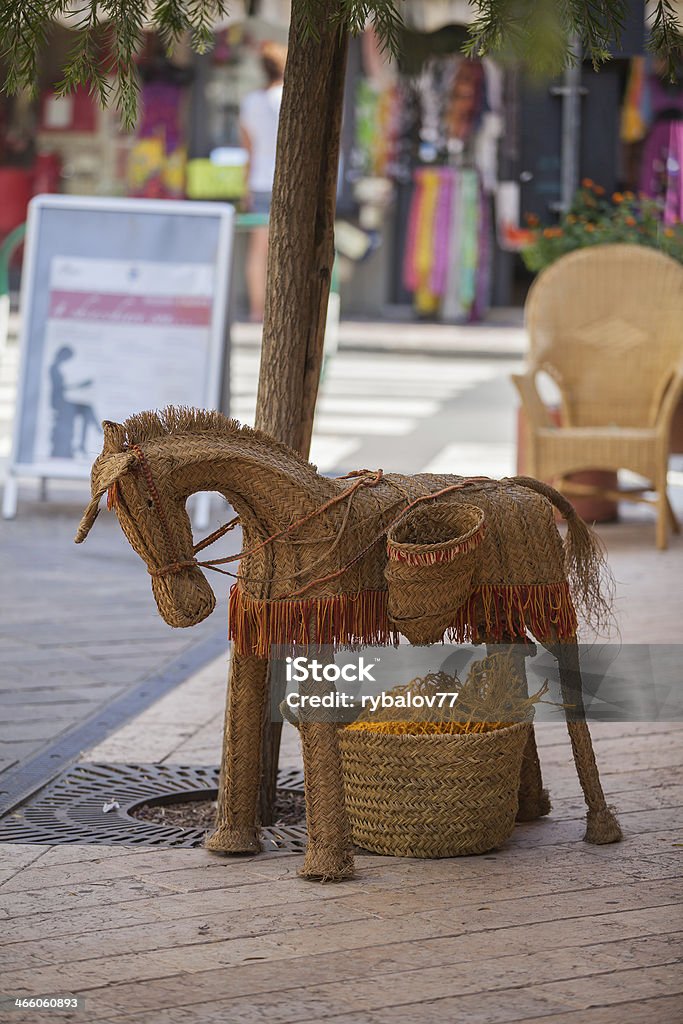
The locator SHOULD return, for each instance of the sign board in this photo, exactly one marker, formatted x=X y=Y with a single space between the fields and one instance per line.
x=123 y=308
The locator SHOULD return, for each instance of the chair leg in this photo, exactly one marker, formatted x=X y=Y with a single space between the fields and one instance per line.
x=602 y=825
x=662 y=518
x=674 y=524
x=238 y=792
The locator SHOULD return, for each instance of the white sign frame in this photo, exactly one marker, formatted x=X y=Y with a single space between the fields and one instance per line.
x=223 y=213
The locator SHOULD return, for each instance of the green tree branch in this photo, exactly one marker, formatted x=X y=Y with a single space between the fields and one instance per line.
x=545 y=35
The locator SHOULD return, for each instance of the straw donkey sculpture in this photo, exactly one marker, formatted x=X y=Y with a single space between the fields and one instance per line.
x=312 y=570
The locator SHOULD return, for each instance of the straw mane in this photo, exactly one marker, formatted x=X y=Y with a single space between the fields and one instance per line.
x=176 y=420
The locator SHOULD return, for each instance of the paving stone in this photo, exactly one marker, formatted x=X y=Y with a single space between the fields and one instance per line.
x=78 y=626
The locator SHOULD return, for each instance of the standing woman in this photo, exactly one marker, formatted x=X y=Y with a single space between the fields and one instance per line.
x=259 y=116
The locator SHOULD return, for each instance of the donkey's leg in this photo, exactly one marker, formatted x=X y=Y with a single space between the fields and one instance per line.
x=534 y=800
x=238 y=793
x=602 y=825
x=329 y=852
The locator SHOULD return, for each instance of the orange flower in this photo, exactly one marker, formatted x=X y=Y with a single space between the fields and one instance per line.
x=588 y=183
x=617 y=197
x=629 y=196
x=669 y=232
x=599 y=190
x=571 y=218
x=590 y=227
x=531 y=219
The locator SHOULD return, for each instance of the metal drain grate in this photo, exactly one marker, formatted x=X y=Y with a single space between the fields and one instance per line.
x=69 y=810
x=19 y=784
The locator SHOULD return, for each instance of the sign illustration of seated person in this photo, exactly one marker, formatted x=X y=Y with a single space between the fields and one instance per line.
x=314 y=570
x=71 y=417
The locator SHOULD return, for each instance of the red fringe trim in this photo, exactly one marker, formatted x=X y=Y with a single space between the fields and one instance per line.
x=545 y=610
x=346 y=619
x=254 y=626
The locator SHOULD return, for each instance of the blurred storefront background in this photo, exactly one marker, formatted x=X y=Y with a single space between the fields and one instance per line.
x=442 y=156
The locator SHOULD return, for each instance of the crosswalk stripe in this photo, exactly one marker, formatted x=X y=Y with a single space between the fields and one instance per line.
x=362 y=396
x=345 y=405
x=329 y=453
x=474 y=459
x=379 y=368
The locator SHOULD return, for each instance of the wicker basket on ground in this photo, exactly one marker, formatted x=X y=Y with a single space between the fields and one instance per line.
x=432 y=557
x=439 y=788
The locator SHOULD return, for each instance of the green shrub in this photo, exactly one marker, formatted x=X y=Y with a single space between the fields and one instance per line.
x=594 y=219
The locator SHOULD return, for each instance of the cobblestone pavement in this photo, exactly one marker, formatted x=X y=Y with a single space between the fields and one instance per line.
x=78 y=625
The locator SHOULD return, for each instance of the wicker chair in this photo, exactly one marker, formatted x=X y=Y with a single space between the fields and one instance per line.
x=606 y=323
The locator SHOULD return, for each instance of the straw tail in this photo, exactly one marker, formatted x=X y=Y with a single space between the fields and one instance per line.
x=589 y=576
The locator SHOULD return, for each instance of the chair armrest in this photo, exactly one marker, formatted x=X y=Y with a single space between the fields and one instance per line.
x=536 y=412
x=670 y=399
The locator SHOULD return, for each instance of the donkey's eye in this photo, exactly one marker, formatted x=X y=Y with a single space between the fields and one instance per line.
x=150 y=503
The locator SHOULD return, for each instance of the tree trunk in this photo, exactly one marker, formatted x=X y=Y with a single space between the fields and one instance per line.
x=300 y=258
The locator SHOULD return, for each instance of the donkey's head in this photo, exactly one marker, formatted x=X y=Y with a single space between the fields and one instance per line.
x=153 y=517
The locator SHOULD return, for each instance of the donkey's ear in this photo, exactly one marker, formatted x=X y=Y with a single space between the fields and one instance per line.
x=107 y=471
x=104 y=475
x=87 y=519
x=114 y=437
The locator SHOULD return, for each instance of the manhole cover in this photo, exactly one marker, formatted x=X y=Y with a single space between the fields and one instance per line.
x=71 y=809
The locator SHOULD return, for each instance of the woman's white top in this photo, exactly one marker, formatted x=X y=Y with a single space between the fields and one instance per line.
x=259 y=115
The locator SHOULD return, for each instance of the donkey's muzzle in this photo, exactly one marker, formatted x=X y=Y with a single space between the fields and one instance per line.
x=183 y=598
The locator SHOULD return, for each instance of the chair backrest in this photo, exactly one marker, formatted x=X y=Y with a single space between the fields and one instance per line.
x=606 y=322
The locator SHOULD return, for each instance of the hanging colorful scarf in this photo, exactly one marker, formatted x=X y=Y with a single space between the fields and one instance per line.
x=419 y=254
x=633 y=124
x=673 y=199
x=425 y=300
x=482 y=299
x=469 y=235
x=410 y=279
x=451 y=308
x=442 y=219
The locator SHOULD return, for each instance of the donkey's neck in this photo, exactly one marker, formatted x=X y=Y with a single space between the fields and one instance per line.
x=266 y=485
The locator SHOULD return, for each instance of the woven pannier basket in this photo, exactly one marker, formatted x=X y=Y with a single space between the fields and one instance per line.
x=437 y=795
x=432 y=557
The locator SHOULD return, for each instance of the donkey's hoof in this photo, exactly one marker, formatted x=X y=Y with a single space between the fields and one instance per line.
x=602 y=827
x=327 y=865
x=233 y=840
x=533 y=807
